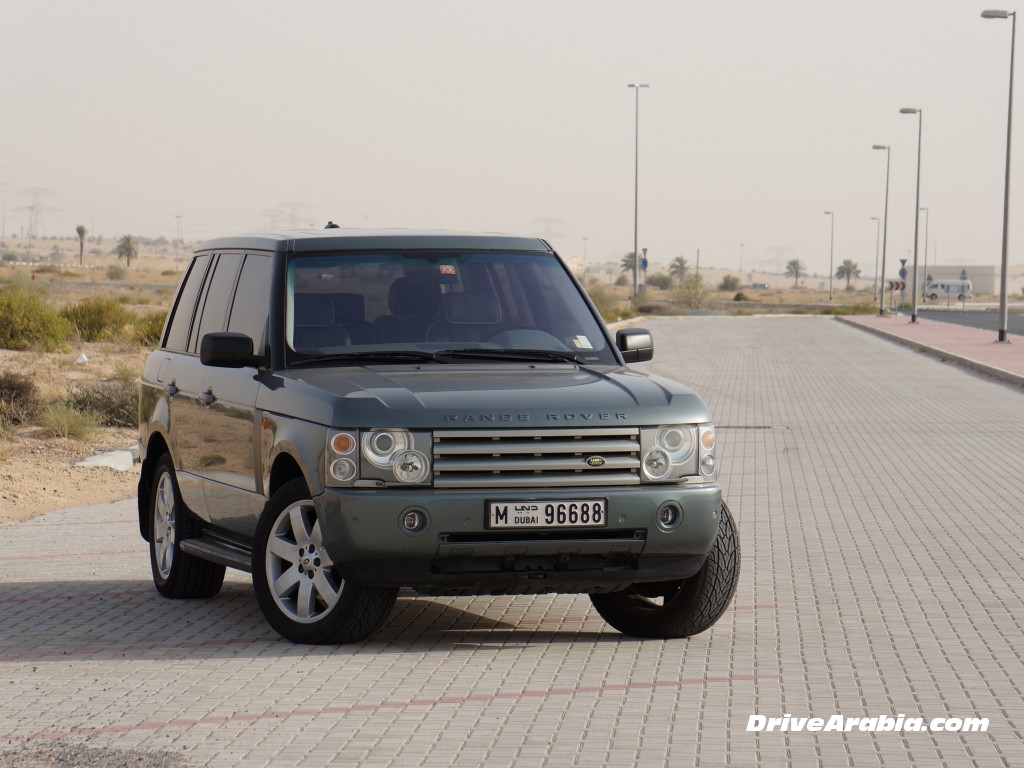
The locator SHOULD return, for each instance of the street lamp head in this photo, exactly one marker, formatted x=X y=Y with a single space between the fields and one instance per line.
x=909 y=111
x=995 y=14
x=874 y=218
x=634 y=85
x=829 y=213
x=880 y=146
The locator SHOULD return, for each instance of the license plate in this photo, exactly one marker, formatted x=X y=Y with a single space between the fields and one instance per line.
x=563 y=513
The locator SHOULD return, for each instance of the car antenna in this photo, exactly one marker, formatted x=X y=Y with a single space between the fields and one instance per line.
x=332 y=225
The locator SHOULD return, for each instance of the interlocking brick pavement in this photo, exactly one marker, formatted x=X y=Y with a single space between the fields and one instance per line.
x=878 y=496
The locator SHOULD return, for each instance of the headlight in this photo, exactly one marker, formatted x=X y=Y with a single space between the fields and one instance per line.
x=672 y=452
x=341 y=458
x=381 y=446
x=395 y=455
x=708 y=462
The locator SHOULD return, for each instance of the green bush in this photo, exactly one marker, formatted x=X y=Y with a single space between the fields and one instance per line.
x=659 y=280
x=115 y=272
x=741 y=296
x=115 y=403
x=28 y=322
x=99 y=318
x=63 y=420
x=604 y=302
x=692 y=292
x=729 y=283
x=149 y=327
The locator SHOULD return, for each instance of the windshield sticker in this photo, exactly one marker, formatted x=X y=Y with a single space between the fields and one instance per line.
x=447 y=269
x=582 y=342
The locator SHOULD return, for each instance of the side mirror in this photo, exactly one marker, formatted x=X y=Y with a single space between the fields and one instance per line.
x=228 y=350
x=635 y=344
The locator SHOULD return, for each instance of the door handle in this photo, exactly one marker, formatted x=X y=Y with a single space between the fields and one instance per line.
x=207 y=397
x=171 y=389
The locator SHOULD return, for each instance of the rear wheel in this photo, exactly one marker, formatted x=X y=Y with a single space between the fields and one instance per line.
x=297 y=584
x=176 y=574
x=679 y=608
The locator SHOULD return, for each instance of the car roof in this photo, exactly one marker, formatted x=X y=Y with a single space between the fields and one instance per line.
x=340 y=239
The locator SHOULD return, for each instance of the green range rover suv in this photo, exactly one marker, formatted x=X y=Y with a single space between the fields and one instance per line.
x=343 y=413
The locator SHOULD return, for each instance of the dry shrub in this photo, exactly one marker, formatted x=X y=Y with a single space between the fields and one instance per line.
x=18 y=398
x=114 y=403
x=63 y=420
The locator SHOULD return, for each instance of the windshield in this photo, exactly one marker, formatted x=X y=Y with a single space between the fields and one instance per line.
x=362 y=306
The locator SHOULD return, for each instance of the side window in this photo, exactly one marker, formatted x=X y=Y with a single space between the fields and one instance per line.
x=251 y=305
x=181 y=322
x=217 y=298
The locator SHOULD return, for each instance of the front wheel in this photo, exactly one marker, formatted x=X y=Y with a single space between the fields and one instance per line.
x=683 y=608
x=176 y=574
x=298 y=586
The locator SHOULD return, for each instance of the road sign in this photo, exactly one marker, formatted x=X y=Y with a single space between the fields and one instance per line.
x=897 y=285
x=902 y=273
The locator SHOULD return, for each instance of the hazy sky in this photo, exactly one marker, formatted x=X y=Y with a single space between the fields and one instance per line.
x=516 y=117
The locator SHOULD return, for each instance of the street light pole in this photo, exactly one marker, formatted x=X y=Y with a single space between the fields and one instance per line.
x=924 y=269
x=885 y=227
x=1004 y=271
x=636 y=188
x=831 y=243
x=917 y=205
x=878 y=242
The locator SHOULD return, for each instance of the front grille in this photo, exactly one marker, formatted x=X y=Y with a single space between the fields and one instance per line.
x=536 y=458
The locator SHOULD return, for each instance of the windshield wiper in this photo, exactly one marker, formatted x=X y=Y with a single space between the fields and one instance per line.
x=408 y=356
x=527 y=355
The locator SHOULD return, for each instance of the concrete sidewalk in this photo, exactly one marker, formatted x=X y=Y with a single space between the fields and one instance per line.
x=970 y=347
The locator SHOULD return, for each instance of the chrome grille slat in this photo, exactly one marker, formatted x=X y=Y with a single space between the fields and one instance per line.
x=536 y=458
x=533 y=445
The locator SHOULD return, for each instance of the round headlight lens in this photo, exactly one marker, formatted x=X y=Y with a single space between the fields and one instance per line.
x=343 y=470
x=380 y=447
x=707 y=465
x=411 y=467
x=657 y=464
x=707 y=439
x=343 y=443
x=677 y=442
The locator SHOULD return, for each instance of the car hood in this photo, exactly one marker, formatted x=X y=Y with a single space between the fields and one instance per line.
x=473 y=395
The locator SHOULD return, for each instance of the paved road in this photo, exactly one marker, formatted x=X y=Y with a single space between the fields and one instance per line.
x=987 y=319
x=878 y=493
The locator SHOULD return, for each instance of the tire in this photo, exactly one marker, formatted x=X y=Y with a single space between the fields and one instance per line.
x=299 y=590
x=176 y=574
x=687 y=607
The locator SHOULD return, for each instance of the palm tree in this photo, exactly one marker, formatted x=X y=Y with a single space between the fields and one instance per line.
x=796 y=269
x=82 y=232
x=678 y=268
x=628 y=263
x=849 y=270
x=127 y=249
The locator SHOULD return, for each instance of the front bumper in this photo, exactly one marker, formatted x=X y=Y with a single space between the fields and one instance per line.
x=455 y=553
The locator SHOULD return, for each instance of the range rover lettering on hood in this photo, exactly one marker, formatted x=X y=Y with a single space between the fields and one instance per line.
x=456 y=418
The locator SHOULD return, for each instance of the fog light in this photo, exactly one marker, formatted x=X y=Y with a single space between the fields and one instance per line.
x=414 y=521
x=669 y=515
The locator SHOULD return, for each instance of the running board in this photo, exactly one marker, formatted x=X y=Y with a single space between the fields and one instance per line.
x=221 y=551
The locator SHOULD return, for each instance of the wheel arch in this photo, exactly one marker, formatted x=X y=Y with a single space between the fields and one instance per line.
x=155 y=448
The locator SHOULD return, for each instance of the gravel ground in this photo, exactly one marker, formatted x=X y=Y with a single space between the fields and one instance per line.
x=60 y=754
